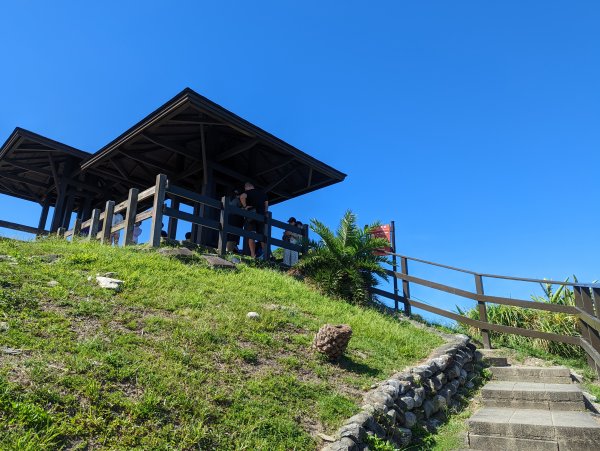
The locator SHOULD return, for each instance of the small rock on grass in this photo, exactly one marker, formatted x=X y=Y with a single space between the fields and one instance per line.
x=3 y=326
x=107 y=282
x=252 y=315
x=52 y=283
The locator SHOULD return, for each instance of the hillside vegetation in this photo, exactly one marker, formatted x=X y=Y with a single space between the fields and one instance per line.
x=171 y=361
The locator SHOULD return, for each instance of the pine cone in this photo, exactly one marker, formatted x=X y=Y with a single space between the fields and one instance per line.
x=332 y=340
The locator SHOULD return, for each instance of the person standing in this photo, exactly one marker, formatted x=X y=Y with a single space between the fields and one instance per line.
x=290 y=257
x=114 y=237
x=233 y=240
x=254 y=200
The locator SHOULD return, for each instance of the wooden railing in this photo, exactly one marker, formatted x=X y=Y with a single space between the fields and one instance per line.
x=23 y=228
x=97 y=227
x=586 y=308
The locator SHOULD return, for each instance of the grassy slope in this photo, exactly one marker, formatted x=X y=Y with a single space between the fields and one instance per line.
x=172 y=362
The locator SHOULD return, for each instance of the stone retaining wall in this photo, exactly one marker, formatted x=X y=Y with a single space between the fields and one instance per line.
x=420 y=395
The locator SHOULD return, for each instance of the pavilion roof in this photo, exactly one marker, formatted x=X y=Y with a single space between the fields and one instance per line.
x=190 y=139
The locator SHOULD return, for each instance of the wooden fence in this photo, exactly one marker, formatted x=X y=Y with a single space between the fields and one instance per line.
x=586 y=308
x=99 y=226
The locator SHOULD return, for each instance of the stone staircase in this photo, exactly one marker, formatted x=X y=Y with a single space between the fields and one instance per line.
x=532 y=408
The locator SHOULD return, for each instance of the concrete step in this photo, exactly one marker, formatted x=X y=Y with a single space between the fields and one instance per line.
x=533 y=429
x=547 y=375
x=493 y=357
x=532 y=395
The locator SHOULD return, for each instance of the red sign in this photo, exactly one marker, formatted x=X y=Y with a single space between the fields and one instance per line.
x=385 y=232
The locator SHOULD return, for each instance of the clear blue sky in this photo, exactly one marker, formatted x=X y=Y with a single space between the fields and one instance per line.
x=474 y=125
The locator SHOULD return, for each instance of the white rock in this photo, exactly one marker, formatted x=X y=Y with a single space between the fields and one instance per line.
x=107 y=282
x=253 y=315
x=52 y=283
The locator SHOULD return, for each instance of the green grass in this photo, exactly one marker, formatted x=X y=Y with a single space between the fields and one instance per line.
x=171 y=361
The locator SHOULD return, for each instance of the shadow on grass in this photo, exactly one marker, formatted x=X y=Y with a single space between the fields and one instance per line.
x=348 y=364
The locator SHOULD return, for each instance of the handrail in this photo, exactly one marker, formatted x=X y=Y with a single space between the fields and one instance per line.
x=496 y=276
x=586 y=308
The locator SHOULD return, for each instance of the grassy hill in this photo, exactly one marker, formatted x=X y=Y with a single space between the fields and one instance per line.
x=171 y=361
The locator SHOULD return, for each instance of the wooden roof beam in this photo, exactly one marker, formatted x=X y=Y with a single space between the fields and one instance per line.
x=274 y=168
x=16 y=178
x=173 y=147
x=247 y=145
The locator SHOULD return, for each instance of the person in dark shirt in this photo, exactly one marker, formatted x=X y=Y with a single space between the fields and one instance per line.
x=254 y=200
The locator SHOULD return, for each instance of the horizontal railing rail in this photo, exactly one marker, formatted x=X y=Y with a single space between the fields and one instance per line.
x=586 y=308
x=22 y=228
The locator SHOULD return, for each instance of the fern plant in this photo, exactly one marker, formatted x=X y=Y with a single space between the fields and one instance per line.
x=344 y=264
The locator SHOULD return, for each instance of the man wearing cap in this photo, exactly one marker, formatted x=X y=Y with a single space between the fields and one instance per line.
x=254 y=200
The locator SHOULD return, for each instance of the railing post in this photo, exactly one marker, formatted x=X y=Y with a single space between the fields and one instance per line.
x=485 y=334
x=108 y=217
x=76 y=228
x=172 y=225
x=157 y=212
x=224 y=221
x=94 y=224
x=583 y=300
x=305 y=239
x=60 y=232
x=267 y=233
x=130 y=214
x=405 y=285
x=394 y=264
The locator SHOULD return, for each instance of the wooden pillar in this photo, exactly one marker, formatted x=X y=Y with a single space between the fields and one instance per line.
x=58 y=213
x=394 y=264
x=405 y=285
x=94 y=224
x=172 y=227
x=66 y=220
x=44 y=216
x=87 y=208
x=224 y=221
x=107 y=224
x=130 y=214
x=157 y=213
x=76 y=229
x=485 y=334
x=267 y=236
x=195 y=227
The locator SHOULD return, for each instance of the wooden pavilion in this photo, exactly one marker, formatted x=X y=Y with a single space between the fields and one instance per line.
x=196 y=143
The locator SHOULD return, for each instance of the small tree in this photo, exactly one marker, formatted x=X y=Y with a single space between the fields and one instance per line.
x=344 y=264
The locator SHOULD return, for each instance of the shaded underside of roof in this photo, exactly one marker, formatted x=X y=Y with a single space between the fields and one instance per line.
x=192 y=140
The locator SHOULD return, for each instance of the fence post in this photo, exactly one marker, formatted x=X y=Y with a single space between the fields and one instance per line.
x=60 y=232
x=405 y=285
x=76 y=228
x=130 y=214
x=394 y=265
x=304 y=239
x=224 y=221
x=172 y=225
x=267 y=233
x=107 y=225
x=485 y=334
x=157 y=212
x=583 y=300
x=94 y=224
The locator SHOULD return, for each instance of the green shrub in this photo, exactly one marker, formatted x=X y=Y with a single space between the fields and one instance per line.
x=532 y=319
x=344 y=264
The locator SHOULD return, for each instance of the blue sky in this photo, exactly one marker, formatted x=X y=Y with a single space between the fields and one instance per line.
x=474 y=125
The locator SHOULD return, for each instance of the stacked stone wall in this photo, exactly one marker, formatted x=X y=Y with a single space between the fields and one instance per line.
x=418 y=396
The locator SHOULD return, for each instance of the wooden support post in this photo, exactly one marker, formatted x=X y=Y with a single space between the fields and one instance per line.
x=195 y=227
x=108 y=218
x=485 y=334
x=60 y=232
x=583 y=300
x=57 y=216
x=305 y=239
x=172 y=226
x=66 y=220
x=44 y=216
x=130 y=214
x=94 y=225
x=267 y=233
x=76 y=229
x=224 y=221
x=87 y=208
x=394 y=264
x=405 y=285
x=157 y=212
